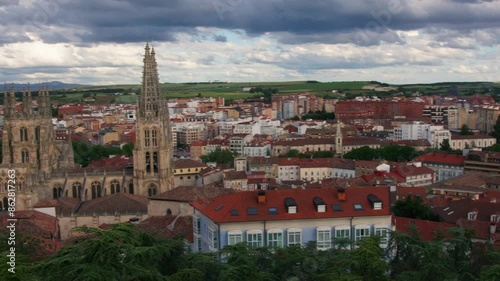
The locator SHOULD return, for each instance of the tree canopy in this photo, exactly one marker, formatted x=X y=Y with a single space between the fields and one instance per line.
x=85 y=153
x=124 y=253
x=465 y=131
x=319 y=115
x=395 y=153
x=414 y=208
x=219 y=155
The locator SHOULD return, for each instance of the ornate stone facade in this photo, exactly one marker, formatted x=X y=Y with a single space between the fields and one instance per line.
x=153 y=156
x=44 y=163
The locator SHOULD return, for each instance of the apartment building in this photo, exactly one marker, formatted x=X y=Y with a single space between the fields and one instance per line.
x=280 y=218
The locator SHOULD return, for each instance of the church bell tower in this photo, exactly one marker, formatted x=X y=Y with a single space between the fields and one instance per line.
x=153 y=159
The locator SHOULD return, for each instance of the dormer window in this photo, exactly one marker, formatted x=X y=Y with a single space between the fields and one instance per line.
x=375 y=202
x=319 y=204
x=495 y=218
x=472 y=216
x=291 y=206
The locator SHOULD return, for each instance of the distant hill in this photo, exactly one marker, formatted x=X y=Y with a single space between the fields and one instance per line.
x=52 y=85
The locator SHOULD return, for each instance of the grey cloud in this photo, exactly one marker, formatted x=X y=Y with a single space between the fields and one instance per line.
x=293 y=21
x=220 y=38
x=311 y=62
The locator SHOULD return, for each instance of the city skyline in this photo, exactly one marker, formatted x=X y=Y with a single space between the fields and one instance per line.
x=100 y=42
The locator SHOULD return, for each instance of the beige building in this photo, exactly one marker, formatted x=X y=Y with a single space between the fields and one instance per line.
x=189 y=134
x=113 y=209
x=236 y=180
x=457 y=117
x=186 y=172
x=463 y=142
x=107 y=135
x=486 y=118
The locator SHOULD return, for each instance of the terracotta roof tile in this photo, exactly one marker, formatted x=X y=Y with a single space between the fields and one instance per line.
x=168 y=226
x=235 y=175
x=219 y=209
x=458 y=209
x=192 y=193
x=116 y=203
x=188 y=163
x=426 y=229
x=441 y=158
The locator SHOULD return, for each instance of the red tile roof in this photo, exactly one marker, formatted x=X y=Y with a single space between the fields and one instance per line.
x=219 y=209
x=405 y=191
x=188 y=163
x=191 y=193
x=412 y=170
x=444 y=158
x=426 y=229
x=168 y=226
x=235 y=175
x=38 y=225
x=119 y=161
x=115 y=203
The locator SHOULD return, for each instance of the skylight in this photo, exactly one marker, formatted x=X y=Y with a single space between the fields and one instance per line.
x=251 y=211
x=273 y=211
x=337 y=208
x=358 y=207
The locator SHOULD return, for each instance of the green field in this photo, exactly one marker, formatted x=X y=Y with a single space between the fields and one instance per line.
x=231 y=91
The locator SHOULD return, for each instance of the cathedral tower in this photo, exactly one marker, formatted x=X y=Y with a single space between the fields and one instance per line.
x=339 y=149
x=29 y=146
x=153 y=158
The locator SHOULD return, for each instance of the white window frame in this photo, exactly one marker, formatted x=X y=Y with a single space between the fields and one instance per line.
x=325 y=233
x=294 y=232
x=213 y=241
x=255 y=238
x=275 y=238
x=340 y=232
x=364 y=231
x=235 y=235
x=196 y=225
x=382 y=231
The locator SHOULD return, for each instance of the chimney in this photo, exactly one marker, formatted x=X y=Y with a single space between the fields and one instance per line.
x=261 y=197
x=341 y=194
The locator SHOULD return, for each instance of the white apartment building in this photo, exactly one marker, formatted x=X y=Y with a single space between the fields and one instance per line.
x=252 y=128
x=257 y=149
x=421 y=131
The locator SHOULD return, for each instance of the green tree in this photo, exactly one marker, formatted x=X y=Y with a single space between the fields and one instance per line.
x=445 y=145
x=219 y=155
x=368 y=261
x=414 y=208
x=465 y=131
x=494 y=148
x=362 y=153
x=128 y=149
x=120 y=253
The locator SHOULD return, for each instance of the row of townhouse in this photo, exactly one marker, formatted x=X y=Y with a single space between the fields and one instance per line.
x=293 y=169
x=279 y=218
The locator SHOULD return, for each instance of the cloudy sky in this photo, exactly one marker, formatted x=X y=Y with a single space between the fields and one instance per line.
x=394 y=41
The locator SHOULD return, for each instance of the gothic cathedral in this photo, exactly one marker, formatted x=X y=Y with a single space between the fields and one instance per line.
x=44 y=163
x=153 y=157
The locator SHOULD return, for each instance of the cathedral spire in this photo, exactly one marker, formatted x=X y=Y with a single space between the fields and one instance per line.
x=153 y=160
x=12 y=100
x=27 y=101
x=150 y=94
x=6 y=104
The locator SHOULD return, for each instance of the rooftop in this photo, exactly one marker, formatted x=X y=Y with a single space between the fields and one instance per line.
x=223 y=209
x=192 y=193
